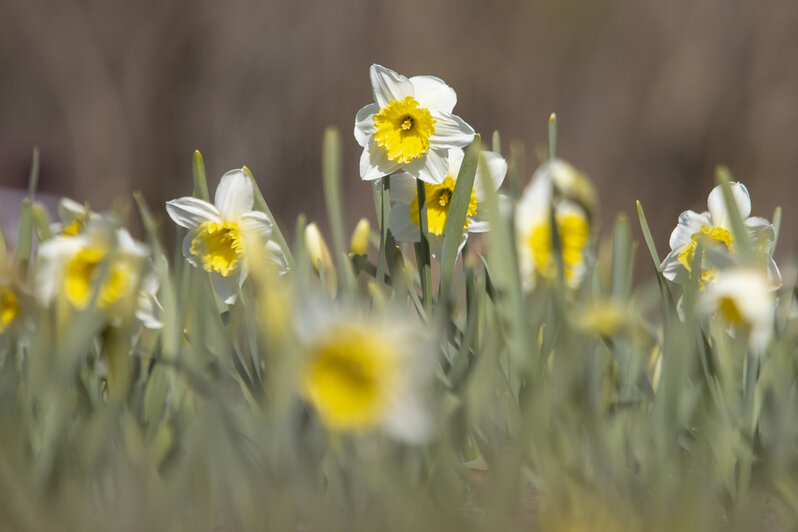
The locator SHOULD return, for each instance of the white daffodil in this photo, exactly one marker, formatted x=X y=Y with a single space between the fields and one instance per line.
x=365 y=374
x=73 y=217
x=404 y=220
x=99 y=259
x=215 y=241
x=550 y=189
x=745 y=298
x=410 y=127
x=713 y=229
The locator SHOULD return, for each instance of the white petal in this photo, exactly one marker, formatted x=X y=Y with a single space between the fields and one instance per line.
x=409 y=419
x=689 y=222
x=234 y=195
x=403 y=188
x=491 y=170
x=431 y=168
x=450 y=131
x=433 y=93
x=717 y=205
x=191 y=212
x=401 y=226
x=69 y=209
x=673 y=270
x=387 y=85
x=256 y=221
x=374 y=163
x=455 y=158
x=186 y=246
x=478 y=225
x=225 y=287
x=275 y=253
x=364 y=123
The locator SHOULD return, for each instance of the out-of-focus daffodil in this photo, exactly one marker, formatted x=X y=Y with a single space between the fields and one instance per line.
x=99 y=259
x=410 y=127
x=363 y=374
x=745 y=298
x=215 y=241
x=713 y=229
x=542 y=198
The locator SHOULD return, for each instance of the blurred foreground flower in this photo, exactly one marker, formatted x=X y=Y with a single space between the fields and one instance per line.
x=713 y=229
x=215 y=241
x=72 y=267
x=745 y=298
x=556 y=189
x=410 y=127
x=404 y=221
x=362 y=374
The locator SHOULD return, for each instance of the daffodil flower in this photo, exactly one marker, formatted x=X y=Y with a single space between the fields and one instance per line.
x=99 y=259
x=552 y=188
x=215 y=240
x=744 y=298
x=360 y=375
x=410 y=127
x=405 y=215
x=713 y=229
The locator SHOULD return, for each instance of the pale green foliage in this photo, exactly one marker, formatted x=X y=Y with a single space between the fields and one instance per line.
x=589 y=409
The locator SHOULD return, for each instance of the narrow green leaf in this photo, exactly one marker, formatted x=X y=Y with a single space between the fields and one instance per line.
x=652 y=248
x=25 y=234
x=496 y=143
x=742 y=241
x=277 y=234
x=383 y=199
x=331 y=178
x=458 y=211
x=33 y=179
x=552 y=136
x=198 y=173
x=423 y=256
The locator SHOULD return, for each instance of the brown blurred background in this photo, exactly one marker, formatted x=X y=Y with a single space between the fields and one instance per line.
x=651 y=96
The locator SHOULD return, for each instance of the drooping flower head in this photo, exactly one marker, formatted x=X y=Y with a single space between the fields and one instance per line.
x=713 y=229
x=405 y=214
x=362 y=374
x=410 y=127
x=557 y=188
x=100 y=260
x=216 y=241
x=744 y=298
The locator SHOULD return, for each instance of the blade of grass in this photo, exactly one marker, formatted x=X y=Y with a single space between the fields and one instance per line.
x=458 y=211
x=277 y=235
x=423 y=256
x=198 y=173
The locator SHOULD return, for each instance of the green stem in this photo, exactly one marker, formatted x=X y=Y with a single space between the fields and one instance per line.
x=384 y=194
x=422 y=249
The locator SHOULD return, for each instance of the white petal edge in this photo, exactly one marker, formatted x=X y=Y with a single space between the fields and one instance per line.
x=689 y=222
x=191 y=212
x=234 y=195
x=491 y=171
x=225 y=287
x=431 y=168
x=403 y=188
x=433 y=93
x=374 y=163
x=451 y=131
x=364 y=123
x=717 y=204
x=402 y=227
x=387 y=85
x=258 y=222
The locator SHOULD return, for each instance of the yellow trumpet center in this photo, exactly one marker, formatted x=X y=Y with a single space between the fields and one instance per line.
x=574 y=233
x=9 y=307
x=404 y=130
x=439 y=199
x=349 y=378
x=716 y=237
x=219 y=246
x=83 y=271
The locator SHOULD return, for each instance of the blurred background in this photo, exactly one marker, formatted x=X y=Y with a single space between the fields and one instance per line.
x=650 y=96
